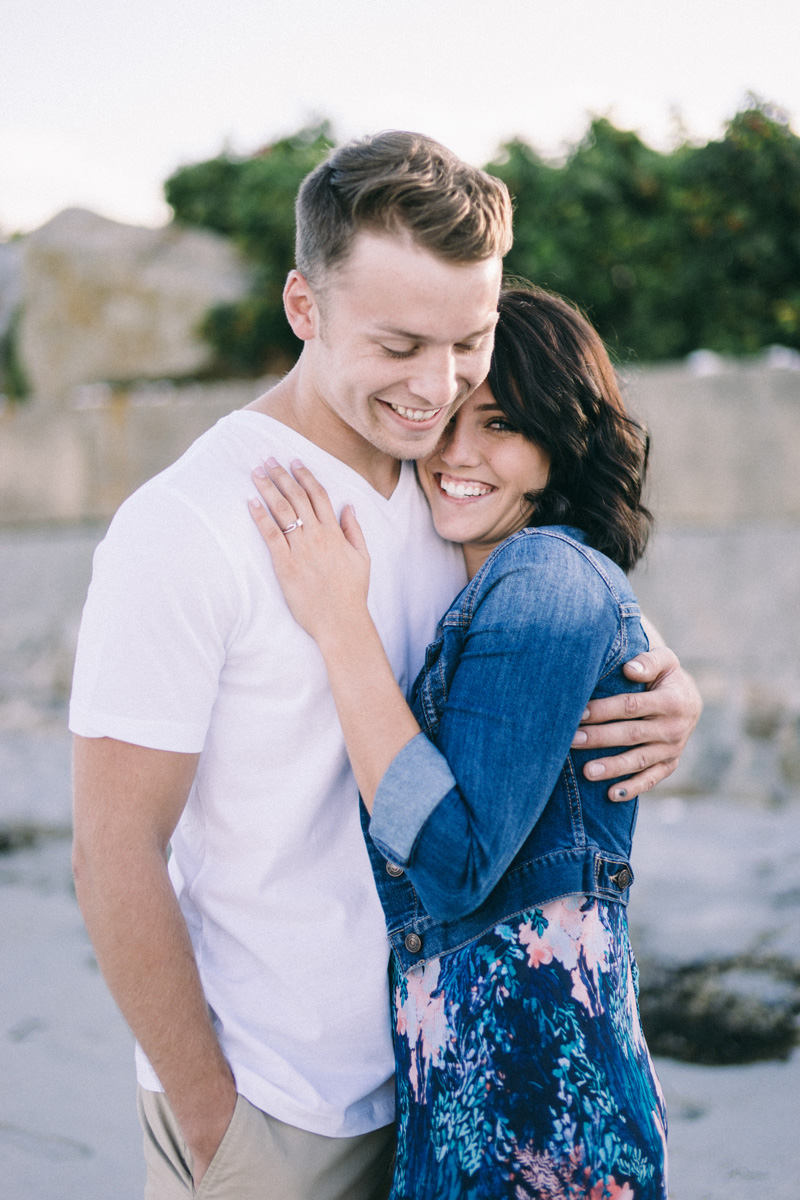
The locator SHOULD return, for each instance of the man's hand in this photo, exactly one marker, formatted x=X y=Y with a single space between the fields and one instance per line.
x=656 y=724
x=204 y=1125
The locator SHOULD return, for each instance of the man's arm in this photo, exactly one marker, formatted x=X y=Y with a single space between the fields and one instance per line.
x=127 y=803
x=656 y=724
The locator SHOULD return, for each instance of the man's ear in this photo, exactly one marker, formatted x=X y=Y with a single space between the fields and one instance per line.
x=300 y=306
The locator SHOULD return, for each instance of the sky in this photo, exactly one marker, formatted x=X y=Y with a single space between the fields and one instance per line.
x=100 y=100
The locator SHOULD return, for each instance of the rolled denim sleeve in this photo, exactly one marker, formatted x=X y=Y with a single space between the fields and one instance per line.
x=416 y=782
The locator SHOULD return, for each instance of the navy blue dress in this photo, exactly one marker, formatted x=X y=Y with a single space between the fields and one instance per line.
x=522 y=1071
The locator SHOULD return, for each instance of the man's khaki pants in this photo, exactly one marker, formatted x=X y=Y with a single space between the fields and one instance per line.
x=261 y=1158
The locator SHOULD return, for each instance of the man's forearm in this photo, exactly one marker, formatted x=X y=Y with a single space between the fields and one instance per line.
x=145 y=954
x=128 y=800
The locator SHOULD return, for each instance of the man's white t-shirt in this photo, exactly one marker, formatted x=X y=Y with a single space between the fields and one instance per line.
x=187 y=645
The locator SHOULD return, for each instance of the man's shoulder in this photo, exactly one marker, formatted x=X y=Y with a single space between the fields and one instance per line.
x=206 y=486
x=184 y=523
x=219 y=459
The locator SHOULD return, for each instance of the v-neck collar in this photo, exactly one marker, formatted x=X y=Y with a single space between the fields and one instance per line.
x=406 y=478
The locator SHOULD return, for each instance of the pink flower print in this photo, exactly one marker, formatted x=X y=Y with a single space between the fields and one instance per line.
x=632 y=1010
x=421 y=1019
x=580 y=993
x=609 y=1189
x=538 y=950
x=595 y=941
x=595 y=944
x=571 y=911
x=564 y=941
x=574 y=937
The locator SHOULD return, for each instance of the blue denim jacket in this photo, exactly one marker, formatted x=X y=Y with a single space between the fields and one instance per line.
x=487 y=811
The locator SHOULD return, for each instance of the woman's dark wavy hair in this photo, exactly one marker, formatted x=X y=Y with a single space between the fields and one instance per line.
x=552 y=378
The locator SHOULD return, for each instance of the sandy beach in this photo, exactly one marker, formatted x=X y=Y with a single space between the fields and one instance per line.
x=712 y=878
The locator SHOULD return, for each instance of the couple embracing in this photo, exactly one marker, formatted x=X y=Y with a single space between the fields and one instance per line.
x=387 y=953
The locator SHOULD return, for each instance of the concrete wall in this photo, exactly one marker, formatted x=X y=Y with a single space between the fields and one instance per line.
x=79 y=463
x=721 y=578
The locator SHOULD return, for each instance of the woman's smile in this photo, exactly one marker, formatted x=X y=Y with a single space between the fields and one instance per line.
x=463 y=489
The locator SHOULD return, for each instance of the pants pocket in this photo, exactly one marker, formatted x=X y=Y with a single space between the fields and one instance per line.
x=220 y=1178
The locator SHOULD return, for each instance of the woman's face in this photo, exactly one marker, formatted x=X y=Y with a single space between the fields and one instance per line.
x=477 y=478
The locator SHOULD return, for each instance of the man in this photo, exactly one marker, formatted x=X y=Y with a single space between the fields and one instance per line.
x=253 y=970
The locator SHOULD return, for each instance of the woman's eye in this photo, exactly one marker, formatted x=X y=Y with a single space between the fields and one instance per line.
x=500 y=424
x=398 y=353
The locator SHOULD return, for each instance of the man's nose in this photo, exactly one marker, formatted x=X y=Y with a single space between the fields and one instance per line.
x=435 y=380
x=457 y=447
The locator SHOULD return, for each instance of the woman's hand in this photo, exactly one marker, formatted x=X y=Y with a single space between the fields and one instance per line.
x=322 y=566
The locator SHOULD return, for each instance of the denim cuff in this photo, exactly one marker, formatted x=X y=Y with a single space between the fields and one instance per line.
x=416 y=781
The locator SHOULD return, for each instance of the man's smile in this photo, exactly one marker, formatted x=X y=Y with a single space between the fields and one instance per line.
x=423 y=418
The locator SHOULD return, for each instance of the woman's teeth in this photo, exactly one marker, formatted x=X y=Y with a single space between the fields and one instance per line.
x=415 y=414
x=459 y=488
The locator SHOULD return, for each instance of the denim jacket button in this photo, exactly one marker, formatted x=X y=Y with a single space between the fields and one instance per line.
x=393 y=870
x=623 y=878
x=413 y=943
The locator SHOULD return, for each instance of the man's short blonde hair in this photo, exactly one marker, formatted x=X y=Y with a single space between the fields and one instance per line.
x=398 y=181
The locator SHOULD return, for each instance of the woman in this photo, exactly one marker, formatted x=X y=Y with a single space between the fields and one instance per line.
x=503 y=872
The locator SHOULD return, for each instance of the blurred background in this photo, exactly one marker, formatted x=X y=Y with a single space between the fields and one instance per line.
x=149 y=158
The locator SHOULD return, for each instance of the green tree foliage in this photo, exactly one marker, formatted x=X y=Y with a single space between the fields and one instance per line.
x=593 y=230
x=667 y=252
x=251 y=200
x=739 y=206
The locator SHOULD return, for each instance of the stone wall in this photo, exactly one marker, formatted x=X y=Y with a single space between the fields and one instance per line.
x=98 y=300
x=79 y=463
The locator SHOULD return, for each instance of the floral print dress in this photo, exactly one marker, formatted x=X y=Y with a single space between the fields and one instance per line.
x=522 y=1071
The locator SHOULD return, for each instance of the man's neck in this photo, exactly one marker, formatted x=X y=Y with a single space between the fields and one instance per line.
x=305 y=412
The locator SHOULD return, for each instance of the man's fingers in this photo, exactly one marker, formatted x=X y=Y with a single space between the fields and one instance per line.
x=624 y=707
x=648 y=666
x=654 y=762
x=661 y=730
x=637 y=785
x=628 y=762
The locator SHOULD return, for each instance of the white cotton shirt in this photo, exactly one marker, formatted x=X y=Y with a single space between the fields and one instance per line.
x=187 y=645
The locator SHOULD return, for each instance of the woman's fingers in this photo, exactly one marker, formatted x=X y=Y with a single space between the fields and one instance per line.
x=352 y=530
x=287 y=499
x=300 y=490
x=322 y=566
x=315 y=492
x=269 y=529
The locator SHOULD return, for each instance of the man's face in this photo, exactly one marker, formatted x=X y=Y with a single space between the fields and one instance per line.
x=403 y=338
